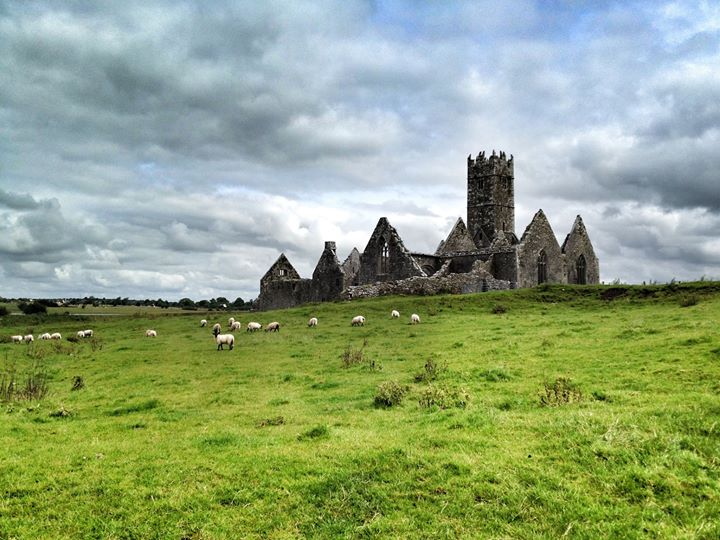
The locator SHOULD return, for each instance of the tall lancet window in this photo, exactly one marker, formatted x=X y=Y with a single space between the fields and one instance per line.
x=542 y=267
x=384 y=259
x=581 y=270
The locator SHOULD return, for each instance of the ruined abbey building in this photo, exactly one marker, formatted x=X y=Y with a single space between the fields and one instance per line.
x=483 y=255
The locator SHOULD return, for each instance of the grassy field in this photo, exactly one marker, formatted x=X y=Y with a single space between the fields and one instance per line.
x=576 y=412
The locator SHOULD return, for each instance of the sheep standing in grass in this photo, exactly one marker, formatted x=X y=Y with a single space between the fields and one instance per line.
x=150 y=333
x=358 y=321
x=395 y=314
x=312 y=323
x=16 y=339
x=203 y=323
x=225 y=339
x=216 y=329
x=231 y=320
x=46 y=335
x=87 y=333
x=80 y=334
x=56 y=335
x=414 y=318
x=29 y=338
x=253 y=326
x=273 y=327
x=235 y=325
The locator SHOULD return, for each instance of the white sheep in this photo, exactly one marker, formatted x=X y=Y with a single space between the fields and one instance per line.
x=273 y=327
x=16 y=339
x=203 y=322
x=235 y=325
x=216 y=329
x=46 y=335
x=414 y=318
x=395 y=314
x=56 y=335
x=253 y=326
x=312 y=323
x=81 y=334
x=231 y=320
x=150 y=333
x=358 y=321
x=29 y=338
x=87 y=333
x=224 y=339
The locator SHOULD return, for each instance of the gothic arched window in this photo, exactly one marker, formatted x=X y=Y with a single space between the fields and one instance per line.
x=384 y=259
x=581 y=271
x=542 y=267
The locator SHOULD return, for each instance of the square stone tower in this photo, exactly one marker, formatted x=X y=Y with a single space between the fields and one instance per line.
x=490 y=197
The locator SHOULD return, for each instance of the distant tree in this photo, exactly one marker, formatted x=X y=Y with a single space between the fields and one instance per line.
x=32 y=308
x=186 y=303
x=238 y=303
x=4 y=311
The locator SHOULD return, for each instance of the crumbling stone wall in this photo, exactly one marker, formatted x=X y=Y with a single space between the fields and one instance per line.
x=351 y=268
x=328 y=279
x=477 y=280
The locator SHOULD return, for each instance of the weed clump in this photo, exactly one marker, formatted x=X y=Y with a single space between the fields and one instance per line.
x=274 y=421
x=33 y=386
x=352 y=356
x=389 y=394
x=431 y=371
x=317 y=432
x=443 y=397
x=78 y=383
x=689 y=300
x=499 y=309
x=561 y=392
x=62 y=412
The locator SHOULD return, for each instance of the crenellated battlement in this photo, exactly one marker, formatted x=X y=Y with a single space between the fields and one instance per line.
x=494 y=164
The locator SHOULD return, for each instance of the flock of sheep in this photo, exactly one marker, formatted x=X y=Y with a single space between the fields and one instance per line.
x=47 y=335
x=233 y=325
x=220 y=339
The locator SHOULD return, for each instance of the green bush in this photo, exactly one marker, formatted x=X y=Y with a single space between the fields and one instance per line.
x=689 y=300
x=443 y=397
x=4 y=311
x=389 y=394
x=431 y=371
x=32 y=308
x=561 y=392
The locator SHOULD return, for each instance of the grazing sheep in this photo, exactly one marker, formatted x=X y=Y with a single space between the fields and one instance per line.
x=16 y=339
x=216 y=329
x=29 y=338
x=235 y=325
x=56 y=335
x=150 y=333
x=312 y=322
x=81 y=334
x=358 y=321
x=224 y=339
x=231 y=320
x=46 y=335
x=414 y=318
x=253 y=326
x=395 y=314
x=203 y=323
x=87 y=333
x=273 y=327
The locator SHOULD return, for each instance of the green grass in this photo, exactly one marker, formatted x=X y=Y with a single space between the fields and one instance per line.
x=279 y=438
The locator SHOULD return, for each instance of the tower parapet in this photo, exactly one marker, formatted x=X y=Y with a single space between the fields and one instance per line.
x=491 y=197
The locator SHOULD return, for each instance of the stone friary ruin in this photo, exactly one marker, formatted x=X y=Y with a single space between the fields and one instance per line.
x=483 y=255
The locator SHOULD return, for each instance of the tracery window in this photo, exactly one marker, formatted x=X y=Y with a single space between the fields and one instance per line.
x=542 y=267
x=581 y=271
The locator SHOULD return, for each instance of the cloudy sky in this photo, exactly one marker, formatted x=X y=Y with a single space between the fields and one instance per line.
x=174 y=149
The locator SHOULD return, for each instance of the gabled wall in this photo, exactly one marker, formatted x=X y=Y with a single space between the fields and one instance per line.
x=539 y=236
x=328 y=279
x=400 y=263
x=577 y=243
